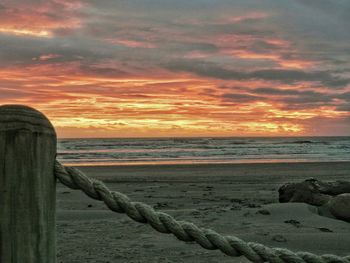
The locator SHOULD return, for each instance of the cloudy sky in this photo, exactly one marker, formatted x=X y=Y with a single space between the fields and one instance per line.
x=124 y=68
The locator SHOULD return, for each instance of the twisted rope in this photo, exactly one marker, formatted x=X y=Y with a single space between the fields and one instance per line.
x=185 y=231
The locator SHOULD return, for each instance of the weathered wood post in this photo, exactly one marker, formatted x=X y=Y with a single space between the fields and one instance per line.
x=27 y=186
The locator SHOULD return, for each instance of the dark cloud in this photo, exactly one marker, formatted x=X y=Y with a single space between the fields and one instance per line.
x=273 y=91
x=16 y=50
x=345 y=107
x=297 y=96
x=176 y=28
x=298 y=75
x=345 y=95
x=290 y=98
x=340 y=9
x=281 y=75
x=305 y=101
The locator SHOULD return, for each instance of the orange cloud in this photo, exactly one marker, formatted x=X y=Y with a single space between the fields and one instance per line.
x=88 y=105
x=38 y=20
x=284 y=63
x=132 y=43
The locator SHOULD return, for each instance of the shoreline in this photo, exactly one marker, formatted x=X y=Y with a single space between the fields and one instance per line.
x=238 y=162
x=207 y=172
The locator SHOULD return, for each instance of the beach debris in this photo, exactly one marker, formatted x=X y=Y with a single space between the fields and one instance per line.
x=195 y=213
x=323 y=229
x=160 y=205
x=293 y=222
x=279 y=238
x=252 y=205
x=148 y=245
x=235 y=207
x=263 y=212
x=262 y=232
x=333 y=196
x=236 y=200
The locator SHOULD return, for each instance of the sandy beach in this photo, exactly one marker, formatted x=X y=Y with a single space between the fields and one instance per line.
x=233 y=199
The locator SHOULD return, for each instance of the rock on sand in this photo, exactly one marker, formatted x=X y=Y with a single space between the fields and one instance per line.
x=339 y=206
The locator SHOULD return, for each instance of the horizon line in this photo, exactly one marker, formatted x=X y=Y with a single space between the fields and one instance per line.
x=189 y=137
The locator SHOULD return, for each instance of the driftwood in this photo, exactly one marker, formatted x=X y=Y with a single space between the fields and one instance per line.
x=334 y=196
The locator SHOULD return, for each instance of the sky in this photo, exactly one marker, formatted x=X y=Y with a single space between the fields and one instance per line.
x=151 y=68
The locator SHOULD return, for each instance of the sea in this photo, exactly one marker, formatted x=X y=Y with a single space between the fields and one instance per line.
x=157 y=151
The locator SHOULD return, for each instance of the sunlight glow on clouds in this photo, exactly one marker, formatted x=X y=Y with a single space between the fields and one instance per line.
x=121 y=69
x=31 y=32
x=37 y=18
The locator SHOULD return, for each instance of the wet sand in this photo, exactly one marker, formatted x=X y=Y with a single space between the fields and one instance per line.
x=233 y=199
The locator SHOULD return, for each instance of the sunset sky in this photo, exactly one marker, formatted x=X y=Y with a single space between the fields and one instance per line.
x=126 y=68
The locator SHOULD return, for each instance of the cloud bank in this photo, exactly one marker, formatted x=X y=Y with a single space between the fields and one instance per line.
x=179 y=68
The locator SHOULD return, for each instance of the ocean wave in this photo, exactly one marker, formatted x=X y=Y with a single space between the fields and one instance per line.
x=225 y=149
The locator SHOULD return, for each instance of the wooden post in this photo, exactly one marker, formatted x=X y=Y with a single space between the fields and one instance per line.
x=27 y=186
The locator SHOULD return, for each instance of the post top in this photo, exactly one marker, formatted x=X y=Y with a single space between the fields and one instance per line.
x=16 y=117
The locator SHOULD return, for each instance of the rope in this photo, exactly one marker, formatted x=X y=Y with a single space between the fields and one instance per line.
x=185 y=231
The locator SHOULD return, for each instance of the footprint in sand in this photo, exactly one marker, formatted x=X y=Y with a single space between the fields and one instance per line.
x=323 y=229
x=279 y=238
x=293 y=222
x=263 y=212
